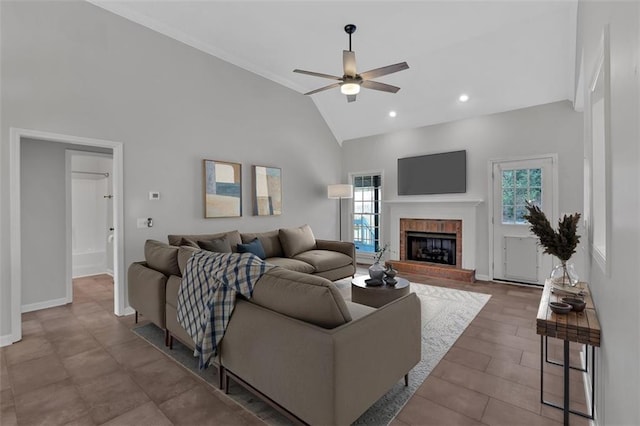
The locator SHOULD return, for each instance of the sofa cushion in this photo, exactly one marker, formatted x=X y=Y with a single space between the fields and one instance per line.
x=184 y=253
x=173 y=287
x=254 y=247
x=188 y=243
x=305 y=297
x=161 y=257
x=291 y=264
x=218 y=245
x=324 y=260
x=356 y=310
x=297 y=240
x=270 y=242
x=232 y=236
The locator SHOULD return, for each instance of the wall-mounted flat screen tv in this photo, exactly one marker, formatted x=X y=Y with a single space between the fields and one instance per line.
x=443 y=173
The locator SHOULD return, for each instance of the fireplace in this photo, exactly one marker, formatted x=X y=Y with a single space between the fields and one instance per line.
x=432 y=247
x=431 y=241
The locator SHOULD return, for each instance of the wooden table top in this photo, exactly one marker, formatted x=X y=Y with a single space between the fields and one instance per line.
x=581 y=327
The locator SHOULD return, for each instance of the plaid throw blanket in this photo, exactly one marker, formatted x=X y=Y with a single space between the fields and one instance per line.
x=208 y=292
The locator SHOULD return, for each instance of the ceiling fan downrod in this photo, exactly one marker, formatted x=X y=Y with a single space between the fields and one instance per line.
x=350 y=29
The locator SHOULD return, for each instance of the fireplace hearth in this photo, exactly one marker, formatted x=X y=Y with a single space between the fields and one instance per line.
x=431 y=247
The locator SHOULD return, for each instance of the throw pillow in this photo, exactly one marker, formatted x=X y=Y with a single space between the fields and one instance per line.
x=161 y=257
x=218 y=245
x=188 y=243
x=297 y=240
x=254 y=247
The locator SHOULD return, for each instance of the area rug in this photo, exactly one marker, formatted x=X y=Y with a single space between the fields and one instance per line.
x=446 y=313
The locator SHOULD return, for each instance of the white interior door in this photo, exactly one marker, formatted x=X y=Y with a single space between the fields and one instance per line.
x=516 y=253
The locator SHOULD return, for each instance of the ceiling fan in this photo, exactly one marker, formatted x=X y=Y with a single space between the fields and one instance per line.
x=351 y=81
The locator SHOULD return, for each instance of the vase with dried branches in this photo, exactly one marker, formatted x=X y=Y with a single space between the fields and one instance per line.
x=560 y=243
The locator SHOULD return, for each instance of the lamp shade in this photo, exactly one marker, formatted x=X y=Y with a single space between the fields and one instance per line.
x=340 y=191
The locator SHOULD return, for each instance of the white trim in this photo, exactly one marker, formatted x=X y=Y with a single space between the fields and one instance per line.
x=601 y=65
x=68 y=223
x=472 y=202
x=15 y=243
x=6 y=340
x=490 y=213
x=366 y=258
x=586 y=382
x=127 y=311
x=16 y=134
x=44 y=305
x=480 y=277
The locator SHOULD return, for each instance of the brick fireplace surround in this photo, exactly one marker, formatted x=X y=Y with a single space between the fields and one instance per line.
x=448 y=226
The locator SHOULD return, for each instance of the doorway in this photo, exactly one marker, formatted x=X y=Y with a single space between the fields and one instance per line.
x=17 y=136
x=515 y=253
x=91 y=213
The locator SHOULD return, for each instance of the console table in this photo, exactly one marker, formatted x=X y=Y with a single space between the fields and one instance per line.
x=580 y=327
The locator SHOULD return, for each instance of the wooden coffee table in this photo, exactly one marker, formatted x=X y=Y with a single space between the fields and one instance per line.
x=376 y=296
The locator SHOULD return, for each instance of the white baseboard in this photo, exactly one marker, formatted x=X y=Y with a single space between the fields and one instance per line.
x=480 y=277
x=44 y=305
x=586 y=380
x=128 y=311
x=91 y=272
x=6 y=340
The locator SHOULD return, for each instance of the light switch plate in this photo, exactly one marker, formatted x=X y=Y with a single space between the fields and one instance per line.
x=154 y=195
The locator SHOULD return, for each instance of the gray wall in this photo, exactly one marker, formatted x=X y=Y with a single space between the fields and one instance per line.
x=617 y=295
x=551 y=128
x=73 y=68
x=43 y=219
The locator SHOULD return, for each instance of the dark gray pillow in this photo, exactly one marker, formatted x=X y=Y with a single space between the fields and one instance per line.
x=218 y=245
x=254 y=247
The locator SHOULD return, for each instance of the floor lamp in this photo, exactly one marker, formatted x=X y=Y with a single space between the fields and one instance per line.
x=340 y=191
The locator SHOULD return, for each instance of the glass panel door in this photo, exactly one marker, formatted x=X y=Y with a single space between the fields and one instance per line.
x=367 y=207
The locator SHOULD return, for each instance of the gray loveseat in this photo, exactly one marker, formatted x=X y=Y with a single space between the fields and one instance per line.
x=296 y=342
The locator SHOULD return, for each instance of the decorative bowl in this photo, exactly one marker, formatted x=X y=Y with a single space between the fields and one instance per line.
x=577 y=305
x=560 y=308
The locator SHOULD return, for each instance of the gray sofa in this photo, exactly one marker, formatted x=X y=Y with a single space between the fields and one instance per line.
x=297 y=343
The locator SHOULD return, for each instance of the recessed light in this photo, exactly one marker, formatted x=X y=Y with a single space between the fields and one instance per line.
x=392 y=113
x=463 y=98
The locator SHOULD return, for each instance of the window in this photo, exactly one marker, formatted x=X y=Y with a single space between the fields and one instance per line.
x=518 y=187
x=367 y=207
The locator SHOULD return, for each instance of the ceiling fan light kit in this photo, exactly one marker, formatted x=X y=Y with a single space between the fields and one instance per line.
x=350 y=89
x=351 y=82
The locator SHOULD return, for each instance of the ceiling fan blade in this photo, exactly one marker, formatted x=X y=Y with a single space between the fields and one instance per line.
x=389 y=69
x=318 y=74
x=379 y=86
x=349 y=63
x=331 y=86
x=351 y=98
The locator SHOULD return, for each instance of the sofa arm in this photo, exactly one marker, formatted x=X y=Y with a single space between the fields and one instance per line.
x=323 y=376
x=374 y=352
x=345 y=247
x=147 y=292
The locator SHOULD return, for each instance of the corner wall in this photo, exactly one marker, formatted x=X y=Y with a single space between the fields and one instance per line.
x=617 y=295
x=75 y=69
x=544 y=129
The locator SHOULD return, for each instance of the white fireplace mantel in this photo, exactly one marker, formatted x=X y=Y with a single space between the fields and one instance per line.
x=452 y=209
x=442 y=201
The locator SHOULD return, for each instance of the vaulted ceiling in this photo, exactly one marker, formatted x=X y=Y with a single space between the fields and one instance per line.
x=504 y=54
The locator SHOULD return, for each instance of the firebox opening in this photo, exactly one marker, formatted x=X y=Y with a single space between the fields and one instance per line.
x=431 y=247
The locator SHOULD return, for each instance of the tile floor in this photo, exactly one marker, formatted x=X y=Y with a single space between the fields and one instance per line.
x=80 y=365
